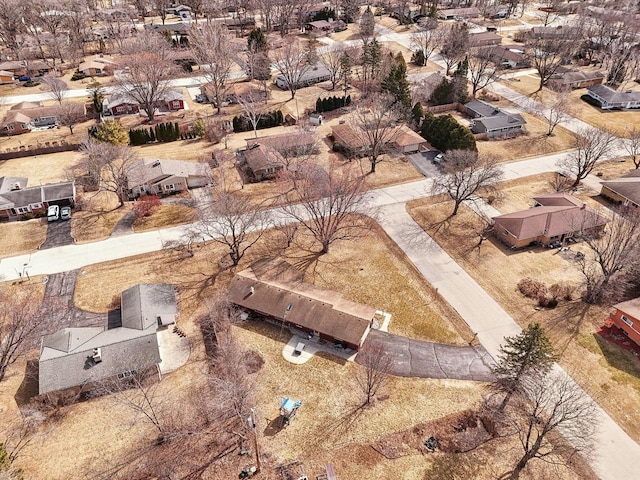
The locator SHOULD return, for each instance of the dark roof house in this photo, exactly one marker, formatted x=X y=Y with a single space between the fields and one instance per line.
x=275 y=291
x=18 y=200
x=563 y=81
x=612 y=99
x=492 y=121
x=259 y=162
x=74 y=357
x=163 y=176
x=624 y=190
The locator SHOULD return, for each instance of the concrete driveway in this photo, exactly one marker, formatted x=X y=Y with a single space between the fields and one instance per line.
x=415 y=358
x=423 y=162
x=58 y=234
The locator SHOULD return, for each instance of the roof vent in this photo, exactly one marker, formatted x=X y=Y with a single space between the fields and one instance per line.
x=16 y=186
x=252 y=290
x=155 y=164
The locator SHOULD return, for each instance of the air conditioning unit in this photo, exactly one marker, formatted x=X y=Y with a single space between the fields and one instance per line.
x=97 y=355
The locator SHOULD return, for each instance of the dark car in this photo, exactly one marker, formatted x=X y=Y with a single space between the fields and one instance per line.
x=24 y=78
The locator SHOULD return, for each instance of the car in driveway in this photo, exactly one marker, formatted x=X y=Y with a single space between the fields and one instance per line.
x=53 y=213
x=439 y=158
x=65 y=213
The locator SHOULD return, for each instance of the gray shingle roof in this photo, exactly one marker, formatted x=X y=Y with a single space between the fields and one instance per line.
x=627 y=186
x=499 y=122
x=613 y=96
x=142 y=304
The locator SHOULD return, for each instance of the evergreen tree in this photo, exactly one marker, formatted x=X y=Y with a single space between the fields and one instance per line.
x=417 y=112
x=442 y=94
x=112 y=131
x=460 y=91
x=319 y=105
x=526 y=354
x=176 y=131
x=397 y=84
x=151 y=135
x=345 y=71
x=257 y=42
x=445 y=133
x=418 y=58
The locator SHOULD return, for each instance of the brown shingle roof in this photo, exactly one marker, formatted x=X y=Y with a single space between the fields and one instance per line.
x=405 y=136
x=558 y=214
x=261 y=157
x=323 y=311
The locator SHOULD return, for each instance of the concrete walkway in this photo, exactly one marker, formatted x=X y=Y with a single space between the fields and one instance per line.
x=616 y=453
x=416 y=358
x=310 y=349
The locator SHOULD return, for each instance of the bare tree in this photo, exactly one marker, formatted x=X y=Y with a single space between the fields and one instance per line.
x=21 y=326
x=252 y=111
x=212 y=48
x=70 y=114
x=466 y=174
x=374 y=124
x=109 y=167
x=428 y=38
x=454 y=46
x=482 y=69
x=610 y=254
x=118 y=26
x=329 y=205
x=553 y=404
x=591 y=145
x=11 y=24
x=46 y=23
x=234 y=221
x=57 y=87
x=632 y=145
x=374 y=375
x=332 y=59
x=146 y=71
x=554 y=113
x=292 y=61
x=548 y=54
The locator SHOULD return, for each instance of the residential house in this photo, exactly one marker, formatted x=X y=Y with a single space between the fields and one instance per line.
x=19 y=68
x=405 y=140
x=458 y=13
x=625 y=190
x=612 y=99
x=320 y=26
x=25 y=116
x=550 y=33
x=259 y=162
x=97 y=66
x=293 y=144
x=626 y=316
x=243 y=91
x=172 y=100
x=150 y=176
x=318 y=73
x=349 y=138
x=182 y=11
x=119 y=104
x=506 y=57
x=564 y=81
x=274 y=291
x=483 y=39
x=177 y=29
x=6 y=77
x=80 y=357
x=554 y=218
x=17 y=200
x=492 y=121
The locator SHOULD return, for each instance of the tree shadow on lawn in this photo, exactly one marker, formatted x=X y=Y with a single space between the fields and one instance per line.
x=565 y=323
x=617 y=357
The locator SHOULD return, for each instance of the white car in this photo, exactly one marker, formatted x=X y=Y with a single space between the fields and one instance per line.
x=53 y=213
x=65 y=213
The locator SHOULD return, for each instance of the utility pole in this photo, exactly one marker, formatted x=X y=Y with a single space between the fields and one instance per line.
x=252 y=421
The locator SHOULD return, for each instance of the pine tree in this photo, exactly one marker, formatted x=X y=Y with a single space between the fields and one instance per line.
x=528 y=353
x=345 y=71
x=349 y=9
x=397 y=84
x=256 y=41
x=176 y=131
x=461 y=94
x=151 y=134
x=442 y=94
x=319 y=105
x=417 y=112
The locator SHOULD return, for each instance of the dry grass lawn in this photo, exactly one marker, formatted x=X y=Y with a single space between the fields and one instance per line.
x=613 y=377
x=42 y=168
x=165 y=216
x=22 y=237
x=615 y=120
x=97 y=216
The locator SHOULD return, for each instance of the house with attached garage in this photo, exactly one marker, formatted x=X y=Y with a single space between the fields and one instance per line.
x=274 y=291
x=316 y=74
x=18 y=201
x=259 y=162
x=624 y=191
x=555 y=217
x=492 y=121
x=25 y=116
x=97 y=66
x=151 y=176
x=564 y=81
x=612 y=99
x=118 y=104
x=80 y=357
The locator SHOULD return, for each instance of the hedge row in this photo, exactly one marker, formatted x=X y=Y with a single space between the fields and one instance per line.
x=163 y=132
x=331 y=103
x=271 y=119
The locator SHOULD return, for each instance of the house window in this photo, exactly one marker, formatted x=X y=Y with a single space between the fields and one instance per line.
x=10 y=127
x=626 y=320
x=35 y=206
x=170 y=187
x=120 y=109
x=21 y=210
x=175 y=104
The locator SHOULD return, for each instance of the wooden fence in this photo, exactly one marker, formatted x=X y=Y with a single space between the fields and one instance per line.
x=32 y=150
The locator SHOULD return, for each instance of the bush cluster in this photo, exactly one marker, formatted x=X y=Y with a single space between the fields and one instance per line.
x=445 y=133
x=590 y=100
x=546 y=296
x=332 y=103
x=163 y=132
x=78 y=76
x=271 y=119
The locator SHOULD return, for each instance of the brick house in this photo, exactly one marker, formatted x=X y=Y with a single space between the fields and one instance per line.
x=626 y=316
x=163 y=177
x=17 y=200
x=624 y=191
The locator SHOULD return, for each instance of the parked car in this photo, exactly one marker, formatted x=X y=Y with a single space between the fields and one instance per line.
x=299 y=348
x=53 y=213
x=24 y=78
x=65 y=213
x=438 y=158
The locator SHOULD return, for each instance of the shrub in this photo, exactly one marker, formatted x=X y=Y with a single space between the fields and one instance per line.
x=146 y=205
x=111 y=131
x=590 y=100
x=78 y=76
x=30 y=83
x=331 y=103
x=531 y=288
x=418 y=58
x=562 y=290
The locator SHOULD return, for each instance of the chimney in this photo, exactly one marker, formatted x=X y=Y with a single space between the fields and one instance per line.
x=584 y=205
x=252 y=291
